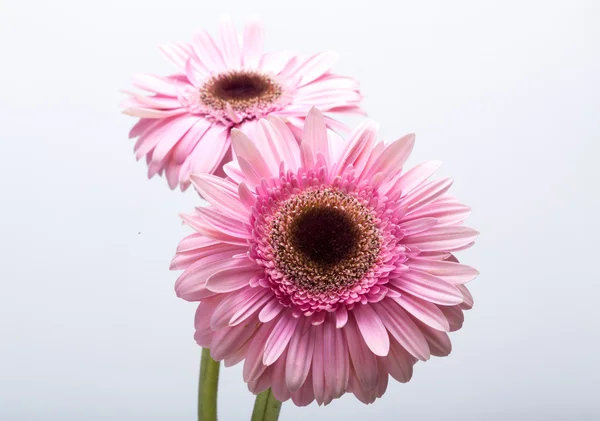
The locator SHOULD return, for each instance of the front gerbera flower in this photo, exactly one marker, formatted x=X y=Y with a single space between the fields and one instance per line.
x=323 y=265
x=185 y=123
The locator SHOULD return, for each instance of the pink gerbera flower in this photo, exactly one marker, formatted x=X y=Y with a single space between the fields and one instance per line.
x=185 y=123
x=323 y=265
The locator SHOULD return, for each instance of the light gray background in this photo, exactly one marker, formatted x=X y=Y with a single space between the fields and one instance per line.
x=506 y=93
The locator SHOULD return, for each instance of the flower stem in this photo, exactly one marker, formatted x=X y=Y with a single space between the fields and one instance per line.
x=207 y=387
x=266 y=407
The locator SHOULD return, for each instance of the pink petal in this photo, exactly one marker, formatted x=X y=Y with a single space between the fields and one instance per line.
x=416 y=176
x=337 y=360
x=439 y=342
x=279 y=338
x=358 y=146
x=442 y=238
x=177 y=53
x=315 y=133
x=222 y=194
x=182 y=150
x=223 y=313
x=393 y=157
x=253 y=366
x=230 y=45
x=318 y=376
x=224 y=223
x=316 y=66
x=191 y=284
x=152 y=113
x=426 y=193
x=299 y=357
x=416 y=226
x=209 y=151
x=341 y=317
x=227 y=341
x=251 y=306
x=204 y=333
x=305 y=394
x=236 y=276
x=270 y=310
x=363 y=360
x=372 y=329
x=401 y=327
x=399 y=363
x=455 y=273
x=253 y=44
x=278 y=386
x=158 y=84
x=245 y=148
x=428 y=287
x=467 y=298
x=423 y=310
x=454 y=315
x=208 y=52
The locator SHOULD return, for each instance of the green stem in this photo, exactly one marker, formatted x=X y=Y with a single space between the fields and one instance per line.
x=207 y=387
x=266 y=407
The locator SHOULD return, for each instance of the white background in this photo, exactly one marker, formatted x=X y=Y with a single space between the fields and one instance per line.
x=506 y=93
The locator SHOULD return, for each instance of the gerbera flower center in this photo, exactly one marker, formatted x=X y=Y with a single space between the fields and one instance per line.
x=241 y=90
x=324 y=235
x=324 y=239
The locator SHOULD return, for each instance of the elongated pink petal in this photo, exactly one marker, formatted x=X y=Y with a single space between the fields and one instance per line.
x=372 y=329
x=393 y=157
x=236 y=276
x=399 y=363
x=358 y=146
x=442 y=238
x=228 y=340
x=337 y=360
x=299 y=357
x=251 y=306
x=278 y=385
x=418 y=225
x=455 y=273
x=207 y=51
x=439 y=342
x=315 y=133
x=416 y=176
x=279 y=338
x=454 y=315
x=468 y=301
x=230 y=45
x=270 y=310
x=401 y=327
x=223 y=223
x=220 y=193
x=426 y=193
x=428 y=287
x=363 y=360
x=245 y=148
x=425 y=311
x=305 y=395
x=157 y=84
x=253 y=44
x=316 y=66
x=318 y=362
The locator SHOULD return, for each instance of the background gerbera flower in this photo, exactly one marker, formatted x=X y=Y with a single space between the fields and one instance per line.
x=186 y=120
x=323 y=265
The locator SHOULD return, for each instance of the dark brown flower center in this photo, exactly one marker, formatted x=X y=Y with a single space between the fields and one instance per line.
x=241 y=90
x=324 y=235
x=324 y=239
x=241 y=86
